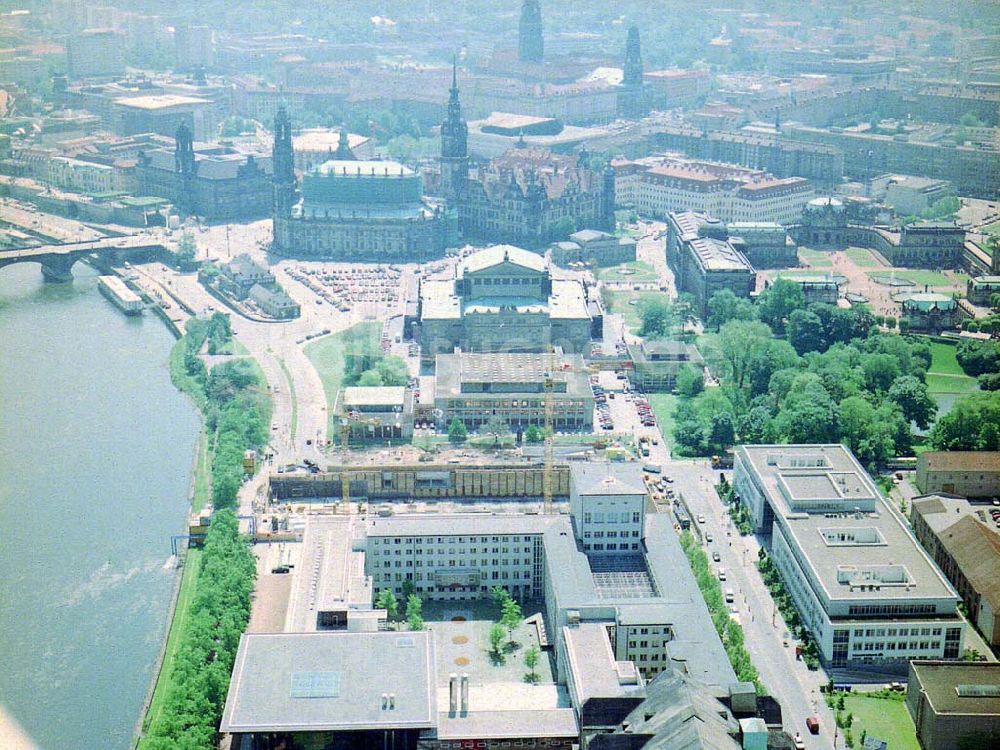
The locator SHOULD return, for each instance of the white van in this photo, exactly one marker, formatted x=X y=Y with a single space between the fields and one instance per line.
x=722 y=574
x=730 y=596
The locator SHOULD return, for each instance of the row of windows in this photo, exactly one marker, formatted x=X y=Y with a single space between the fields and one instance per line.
x=503 y=281
x=890 y=609
x=506 y=538
x=452 y=550
x=900 y=646
x=880 y=632
x=601 y=547
x=452 y=563
x=610 y=534
x=610 y=517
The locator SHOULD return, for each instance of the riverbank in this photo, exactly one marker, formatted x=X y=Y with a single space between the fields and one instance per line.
x=235 y=394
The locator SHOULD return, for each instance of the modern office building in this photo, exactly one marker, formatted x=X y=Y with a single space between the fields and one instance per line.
x=965 y=473
x=910 y=195
x=377 y=412
x=964 y=541
x=96 y=53
x=955 y=706
x=867 y=591
x=703 y=259
x=818 y=287
x=504 y=299
x=623 y=630
x=655 y=363
x=164 y=114
x=479 y=388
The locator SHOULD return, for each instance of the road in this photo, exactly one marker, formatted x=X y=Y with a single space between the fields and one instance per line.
x=787 y=680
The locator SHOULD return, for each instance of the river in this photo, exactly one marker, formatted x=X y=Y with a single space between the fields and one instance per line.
x=96 y=450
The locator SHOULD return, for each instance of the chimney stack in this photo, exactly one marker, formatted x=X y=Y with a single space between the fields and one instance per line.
x=385 y=701
x=392 y=701
x=452 y=694
x=465 y=694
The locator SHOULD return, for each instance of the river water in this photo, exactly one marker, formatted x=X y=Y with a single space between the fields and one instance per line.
x=96 y=449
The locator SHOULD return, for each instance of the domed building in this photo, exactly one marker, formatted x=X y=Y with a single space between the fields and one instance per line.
x=353 y=210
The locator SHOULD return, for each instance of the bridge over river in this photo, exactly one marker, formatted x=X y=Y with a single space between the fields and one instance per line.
x=57 y=260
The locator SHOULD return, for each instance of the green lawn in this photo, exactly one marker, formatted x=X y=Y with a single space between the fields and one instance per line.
x=946 y=375
x=921 y=277
x=993 y=229
x=883 y=718
x=862 y=257
x=814 y=258
x=663 y=407
x=620 y=304
x=185 y=595
x=633 y=271
x=327 y=356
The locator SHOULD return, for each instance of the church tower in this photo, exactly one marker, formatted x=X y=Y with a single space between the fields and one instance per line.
x=454 y=144
x=283 y=164
x=185 y=166
x=530 y=47
x=631 y=100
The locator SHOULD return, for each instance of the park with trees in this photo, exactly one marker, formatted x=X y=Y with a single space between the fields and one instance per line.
x=792 y=372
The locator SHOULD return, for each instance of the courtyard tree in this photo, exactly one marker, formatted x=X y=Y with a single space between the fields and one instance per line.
x=457 y=432
x=414 y=612
x=500 y=595
x=531 y=662
x=496 y=640
x=387 y=600
x=510 y=616
x=497 y=427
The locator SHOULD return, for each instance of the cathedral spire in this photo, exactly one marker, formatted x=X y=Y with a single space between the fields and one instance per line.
x=632 y=70
x=454 y=141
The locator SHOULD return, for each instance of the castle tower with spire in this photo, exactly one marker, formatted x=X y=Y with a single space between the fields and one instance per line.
x=631 y=99
x=184 y=163
x=283 y=164
x=530 y=46
x=454 y=144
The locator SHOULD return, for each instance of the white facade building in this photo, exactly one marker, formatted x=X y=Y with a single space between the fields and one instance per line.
x=608 y=507
x=863 y=586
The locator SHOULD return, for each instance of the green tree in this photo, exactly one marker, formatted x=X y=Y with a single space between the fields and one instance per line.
x=880 y=372
x=510 y=616
x=724 y=306
x=187 y=249
x=657 y=317
x=805 y=331
x=739 y=342
x=386 y=600
x=973 y=424
x=690 y=381
x=808 y=414
x=912 y=397
x=534 y=434
x=497 y=427
x=393 y=371
x=414 y=612
x=531 y=662
x=778 y=301
x=457 y=432
x=496 y=639
x=499 y=595
x=370 y=378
